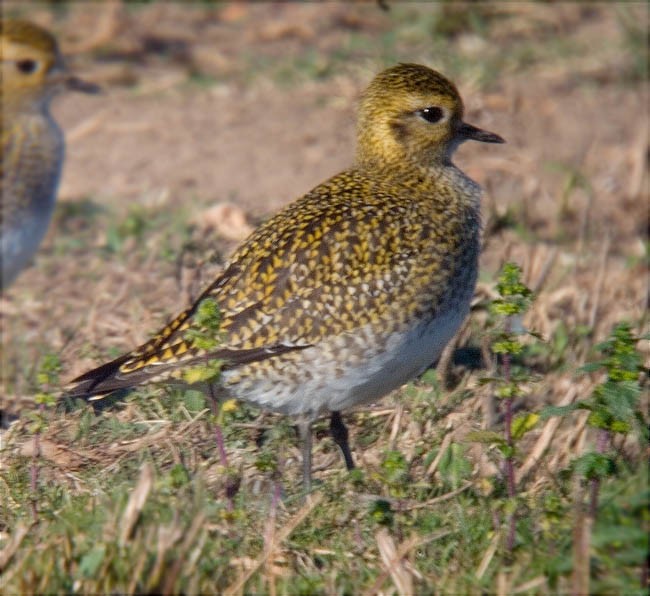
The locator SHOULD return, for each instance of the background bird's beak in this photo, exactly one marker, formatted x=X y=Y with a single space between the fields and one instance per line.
x=467 y=131
x=76 y=84
x=61 y=76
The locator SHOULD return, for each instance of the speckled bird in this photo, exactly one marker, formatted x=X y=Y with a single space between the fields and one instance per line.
x=33 y=73
x=353 y=289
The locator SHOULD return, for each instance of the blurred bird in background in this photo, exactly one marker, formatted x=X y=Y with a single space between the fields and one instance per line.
x=33 y=73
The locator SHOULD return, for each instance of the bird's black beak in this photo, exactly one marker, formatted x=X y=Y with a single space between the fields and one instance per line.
x=60 y=75
x=467 y=131
x=76 y=84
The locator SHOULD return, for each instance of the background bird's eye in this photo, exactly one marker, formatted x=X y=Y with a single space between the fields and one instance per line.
x=27 y=66
x=433 y=114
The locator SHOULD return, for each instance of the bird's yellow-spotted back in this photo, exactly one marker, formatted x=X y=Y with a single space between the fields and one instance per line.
x=33 y=72
x=354 y=288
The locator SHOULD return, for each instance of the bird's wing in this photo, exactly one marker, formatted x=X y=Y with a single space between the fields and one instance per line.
x=336 y=260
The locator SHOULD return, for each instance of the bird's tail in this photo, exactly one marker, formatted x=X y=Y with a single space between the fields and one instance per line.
x=164 y=357
x=105 y=379
x=154 y=360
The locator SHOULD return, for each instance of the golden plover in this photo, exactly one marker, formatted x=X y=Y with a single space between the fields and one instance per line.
x=353 y=289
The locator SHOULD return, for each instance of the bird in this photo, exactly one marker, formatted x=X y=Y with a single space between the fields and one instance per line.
x=350 y=291
x=33 y=73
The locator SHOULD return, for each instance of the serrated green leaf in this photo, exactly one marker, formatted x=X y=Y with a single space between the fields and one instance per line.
x=179 y=475
x=594 y=465
x=430 y=377
x=194 y=400
x=610 y=535
x=508 y=391
x=507 y=347
x=506 y=450
x=92 y=561
x=591 y=367
x=204 y=332
x=46 y=399
x=394 y=466
x=550 y=411
x=599 y=419
x=487 y=437
x=619 y=426
x=198 y=374
x=454 y=466
x=522 y=423
x=503 y=308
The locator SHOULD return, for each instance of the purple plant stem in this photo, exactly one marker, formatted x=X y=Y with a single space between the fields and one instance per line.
x=602 y=442
x=231 y=484
x=221 y=446
x=509 y=463
x=231 y=487
x=273 y=510
x=510 y=478
x=33 y=476
x=509 y=460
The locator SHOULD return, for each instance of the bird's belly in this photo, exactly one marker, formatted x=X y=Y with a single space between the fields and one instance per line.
x=344 y=371
x=20 y=242
x=410 y=355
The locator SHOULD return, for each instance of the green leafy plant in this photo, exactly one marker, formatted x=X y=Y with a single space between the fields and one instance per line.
x=614 y=407
x=47 y=377
x=454 y=466
x=204 y=334
x=514 y=299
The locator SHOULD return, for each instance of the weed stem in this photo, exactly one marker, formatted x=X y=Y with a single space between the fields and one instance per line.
x=602 y=443
x=509 y=460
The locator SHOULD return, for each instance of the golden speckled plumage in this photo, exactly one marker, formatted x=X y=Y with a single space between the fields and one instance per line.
x=32 y=145
x=352 y=289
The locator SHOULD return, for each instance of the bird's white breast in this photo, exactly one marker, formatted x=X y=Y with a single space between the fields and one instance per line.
x=342 y=371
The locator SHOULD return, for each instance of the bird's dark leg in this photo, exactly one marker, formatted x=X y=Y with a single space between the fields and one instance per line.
x=304 y=428
x=339 y=433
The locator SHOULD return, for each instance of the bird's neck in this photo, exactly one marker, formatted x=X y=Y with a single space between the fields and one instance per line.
x=24 y=104
x=434 y=179
x=403 y=167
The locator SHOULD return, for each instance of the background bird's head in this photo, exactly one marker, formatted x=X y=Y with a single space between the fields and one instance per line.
x=412 y=113
x=33 y=70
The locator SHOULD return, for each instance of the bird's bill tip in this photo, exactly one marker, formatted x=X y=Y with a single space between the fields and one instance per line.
x=474 y=133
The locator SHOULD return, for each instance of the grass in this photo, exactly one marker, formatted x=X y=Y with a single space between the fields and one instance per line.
x=137 y=500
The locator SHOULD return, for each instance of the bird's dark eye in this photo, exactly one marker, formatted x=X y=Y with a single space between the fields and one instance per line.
x=433 y=114
x=27 y=66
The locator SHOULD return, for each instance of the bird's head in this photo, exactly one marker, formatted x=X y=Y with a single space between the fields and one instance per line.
x=33 y=70
x=411 y=113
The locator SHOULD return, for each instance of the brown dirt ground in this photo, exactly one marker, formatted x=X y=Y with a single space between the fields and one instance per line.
x=190 y=118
